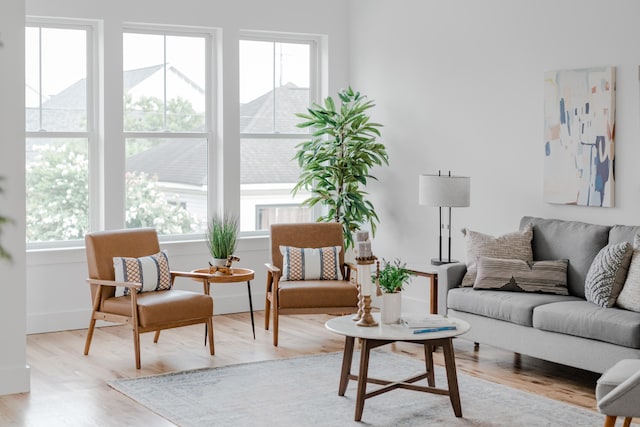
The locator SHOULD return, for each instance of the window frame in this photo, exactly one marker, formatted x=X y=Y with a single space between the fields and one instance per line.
x=91 y=132
x=208 y=134
x=315 y=76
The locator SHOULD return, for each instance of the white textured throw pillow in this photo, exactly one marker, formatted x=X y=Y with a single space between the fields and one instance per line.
x=629 y=297
x=310 y=263
x=516 y=245
x=607 y=274
x=152 y=271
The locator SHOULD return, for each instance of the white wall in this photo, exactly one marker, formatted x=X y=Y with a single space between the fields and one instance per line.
x=57 y=296
x=14 y=372
x=459 y=86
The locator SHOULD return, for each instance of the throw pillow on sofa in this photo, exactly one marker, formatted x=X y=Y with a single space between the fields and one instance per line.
x=549 y=277
x=607 y=274
x=516 y=245
x=629 y=297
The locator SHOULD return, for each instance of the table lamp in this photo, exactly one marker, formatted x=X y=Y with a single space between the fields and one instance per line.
x=446 y=191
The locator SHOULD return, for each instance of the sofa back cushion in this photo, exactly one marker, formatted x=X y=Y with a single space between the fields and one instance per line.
x=576 y=241
x=623 y=233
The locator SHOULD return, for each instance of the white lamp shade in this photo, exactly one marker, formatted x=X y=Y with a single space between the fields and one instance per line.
x=444 y=190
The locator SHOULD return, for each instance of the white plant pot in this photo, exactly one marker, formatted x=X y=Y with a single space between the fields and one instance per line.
x=219 y=262
x=391 y=308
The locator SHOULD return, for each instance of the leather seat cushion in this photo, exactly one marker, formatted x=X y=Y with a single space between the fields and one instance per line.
x=317 y=293
x=162 y=307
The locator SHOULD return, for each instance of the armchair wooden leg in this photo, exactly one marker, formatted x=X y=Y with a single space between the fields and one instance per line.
x=267 y=312
x=627 y=422
x=156 y=336
x=136 y=347
x=210 y=336
x=610 y=421
x=275 y=327
x=87 y=344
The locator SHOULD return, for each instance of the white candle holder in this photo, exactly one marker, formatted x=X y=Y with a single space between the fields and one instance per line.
x=364 y=280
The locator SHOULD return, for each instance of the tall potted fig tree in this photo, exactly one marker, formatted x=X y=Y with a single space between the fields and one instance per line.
x=336 y=161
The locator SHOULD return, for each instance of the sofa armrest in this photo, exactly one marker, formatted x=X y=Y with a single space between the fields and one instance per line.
x=449 y=277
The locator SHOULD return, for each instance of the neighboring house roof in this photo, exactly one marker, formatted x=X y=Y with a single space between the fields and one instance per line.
x=262 y=160
x=257 y=116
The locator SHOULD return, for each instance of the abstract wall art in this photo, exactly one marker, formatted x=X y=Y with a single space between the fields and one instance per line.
x=579 y=124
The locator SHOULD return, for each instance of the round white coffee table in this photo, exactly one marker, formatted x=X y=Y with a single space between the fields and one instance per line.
x=380 y=335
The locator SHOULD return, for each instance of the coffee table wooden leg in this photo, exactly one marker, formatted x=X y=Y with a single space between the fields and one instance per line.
x=428 y=360
x=452 y=377
x=346 y=365
x=362 y=378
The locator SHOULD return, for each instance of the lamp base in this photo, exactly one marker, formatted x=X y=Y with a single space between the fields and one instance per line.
x=438 y=261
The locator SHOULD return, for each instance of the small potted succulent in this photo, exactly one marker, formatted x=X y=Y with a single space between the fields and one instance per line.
x=391 y=279
x=222 y=237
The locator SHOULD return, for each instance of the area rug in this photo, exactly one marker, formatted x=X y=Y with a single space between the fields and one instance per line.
x=304 y=392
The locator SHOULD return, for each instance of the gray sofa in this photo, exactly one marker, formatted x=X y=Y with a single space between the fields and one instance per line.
x=562 y=329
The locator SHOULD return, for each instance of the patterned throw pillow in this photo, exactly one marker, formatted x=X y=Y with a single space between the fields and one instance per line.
x=310 y=263
x=607 y=274
x=515 y=245
x=549 y=277
x=152 y=271
x=629 y=297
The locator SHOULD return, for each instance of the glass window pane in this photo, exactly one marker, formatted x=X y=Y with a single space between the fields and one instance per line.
x=164 y=83
x=56 y=79
x=268 y=172
x=57 y=189
x=166 y=184
x=274 y=85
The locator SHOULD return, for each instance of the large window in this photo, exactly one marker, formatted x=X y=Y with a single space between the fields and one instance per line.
x=59 y=130
x=277 y=79
x=166 y=130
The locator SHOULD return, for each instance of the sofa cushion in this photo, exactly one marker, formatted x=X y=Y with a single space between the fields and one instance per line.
x=607 y=274
x=623 y=233
x=516 y=245
x=547 y=277
x=587 y=320
x=514 y=307
x=578 y=242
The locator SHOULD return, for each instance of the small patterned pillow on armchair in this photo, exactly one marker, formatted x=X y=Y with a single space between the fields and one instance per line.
x=152 y=271
x=310 y=263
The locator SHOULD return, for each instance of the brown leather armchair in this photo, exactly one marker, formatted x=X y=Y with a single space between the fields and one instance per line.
x=307 y=296
x=145 y=311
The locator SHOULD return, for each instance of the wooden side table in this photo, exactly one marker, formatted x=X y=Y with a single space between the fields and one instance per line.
x=238 y=275
x=431 y=272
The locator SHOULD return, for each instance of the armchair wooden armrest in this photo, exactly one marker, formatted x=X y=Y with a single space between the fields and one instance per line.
x=349 y=268
x=134 y=285
x=273 y=277
x=272 y=268
x=204 y=277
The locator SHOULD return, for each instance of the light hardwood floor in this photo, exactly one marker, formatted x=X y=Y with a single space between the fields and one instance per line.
x=70 y=389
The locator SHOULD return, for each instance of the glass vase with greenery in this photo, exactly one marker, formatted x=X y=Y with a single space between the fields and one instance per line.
x=336 y=162
x=222 y=235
